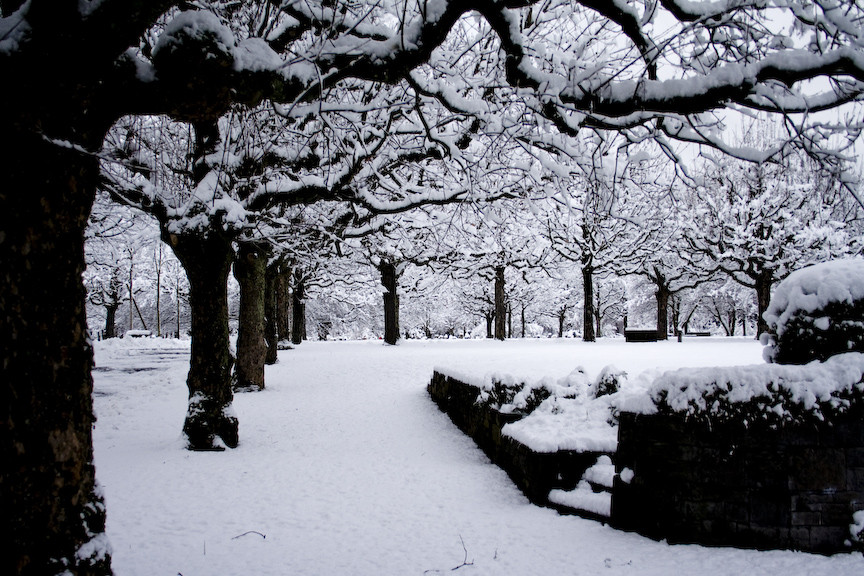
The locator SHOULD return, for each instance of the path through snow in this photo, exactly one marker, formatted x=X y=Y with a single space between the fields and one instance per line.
x=348 y=468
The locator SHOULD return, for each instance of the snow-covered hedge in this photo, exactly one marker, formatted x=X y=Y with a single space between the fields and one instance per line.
x=817 y=312
x=775 y=394
x=572 y=413
x=509 y=395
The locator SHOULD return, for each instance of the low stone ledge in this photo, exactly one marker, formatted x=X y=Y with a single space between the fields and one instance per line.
x=535 y=473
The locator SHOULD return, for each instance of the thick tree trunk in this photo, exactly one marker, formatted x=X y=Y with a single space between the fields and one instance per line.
x=52 y=518
x=111 y=321
x=522 y=318
x=131 y=293
x=662 y=295
x=598 y=325
x=283 y=301
x=177 y=304
x=298 y=309
x=763 y=298
x=207 y=261
x=588 y=334
x=675 y=306
x=390 y=282
x=271 y=330
x=733 y=321
x=250 y=270
x=159 y=294
x=500 y=305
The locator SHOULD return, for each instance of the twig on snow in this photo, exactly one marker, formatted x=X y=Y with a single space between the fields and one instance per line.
x=465 y=560
x=249 y=532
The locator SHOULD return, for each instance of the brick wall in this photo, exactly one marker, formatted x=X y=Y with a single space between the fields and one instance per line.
x=726 y=484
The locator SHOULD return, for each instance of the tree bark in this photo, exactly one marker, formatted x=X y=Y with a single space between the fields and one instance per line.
x=250 y=270
x=490 y=320
x=158 y=267
x=763 y=297
x=177 y=302
x=675 y=305
x=390 y=281
x=207 y=260
x=283 y=301
x=662 y=295
x=562 y=317
x=500 y=305
x=298 y=309
x=598 y=323
x=588 y=334
x=522 y=318
x=131 y=294
x=51 y=503
x=111 y=320
x=271 y=325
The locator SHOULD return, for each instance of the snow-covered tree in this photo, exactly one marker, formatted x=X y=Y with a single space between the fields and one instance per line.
x=757 y=223
x=72 y=70
x=593 y=221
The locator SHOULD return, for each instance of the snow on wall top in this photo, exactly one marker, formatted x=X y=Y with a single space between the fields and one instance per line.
x=780 y=392
x=570 y=418
x=811 y=289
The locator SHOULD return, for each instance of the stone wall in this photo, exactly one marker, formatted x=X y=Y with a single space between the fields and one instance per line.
x=535 y=473
x=795 y=487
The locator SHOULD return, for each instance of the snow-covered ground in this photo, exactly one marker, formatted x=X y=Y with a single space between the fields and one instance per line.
x=346 y=467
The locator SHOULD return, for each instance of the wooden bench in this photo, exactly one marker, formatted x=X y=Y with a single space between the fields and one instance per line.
x=697 y=334
x=138 y=334
x=641 y=336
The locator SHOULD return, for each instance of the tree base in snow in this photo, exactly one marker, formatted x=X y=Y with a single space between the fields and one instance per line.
x=93 y=557
x=284 y=345
x=245 y=385
x=210 y=425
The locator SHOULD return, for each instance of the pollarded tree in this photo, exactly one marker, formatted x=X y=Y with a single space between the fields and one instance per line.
x=250 y=270
x=655 y=254
x=594 y=220
x=610 y=299
x=756 y=223
x=238 y=174
x=109 y=294
x=103 y=66
x=492 y=243
x=392 y=246
x=728 y=304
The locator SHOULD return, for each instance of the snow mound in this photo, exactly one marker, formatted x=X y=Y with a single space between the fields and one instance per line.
x=583 y=498
x=811 y=289
x=119 y=347
x=817 y=312
x=602 y=473
x=564 y=423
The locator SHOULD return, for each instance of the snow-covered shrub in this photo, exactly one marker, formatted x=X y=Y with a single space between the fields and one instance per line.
x=817 y=312
x=609 y=381
x=507 y=395
x=763 y=393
